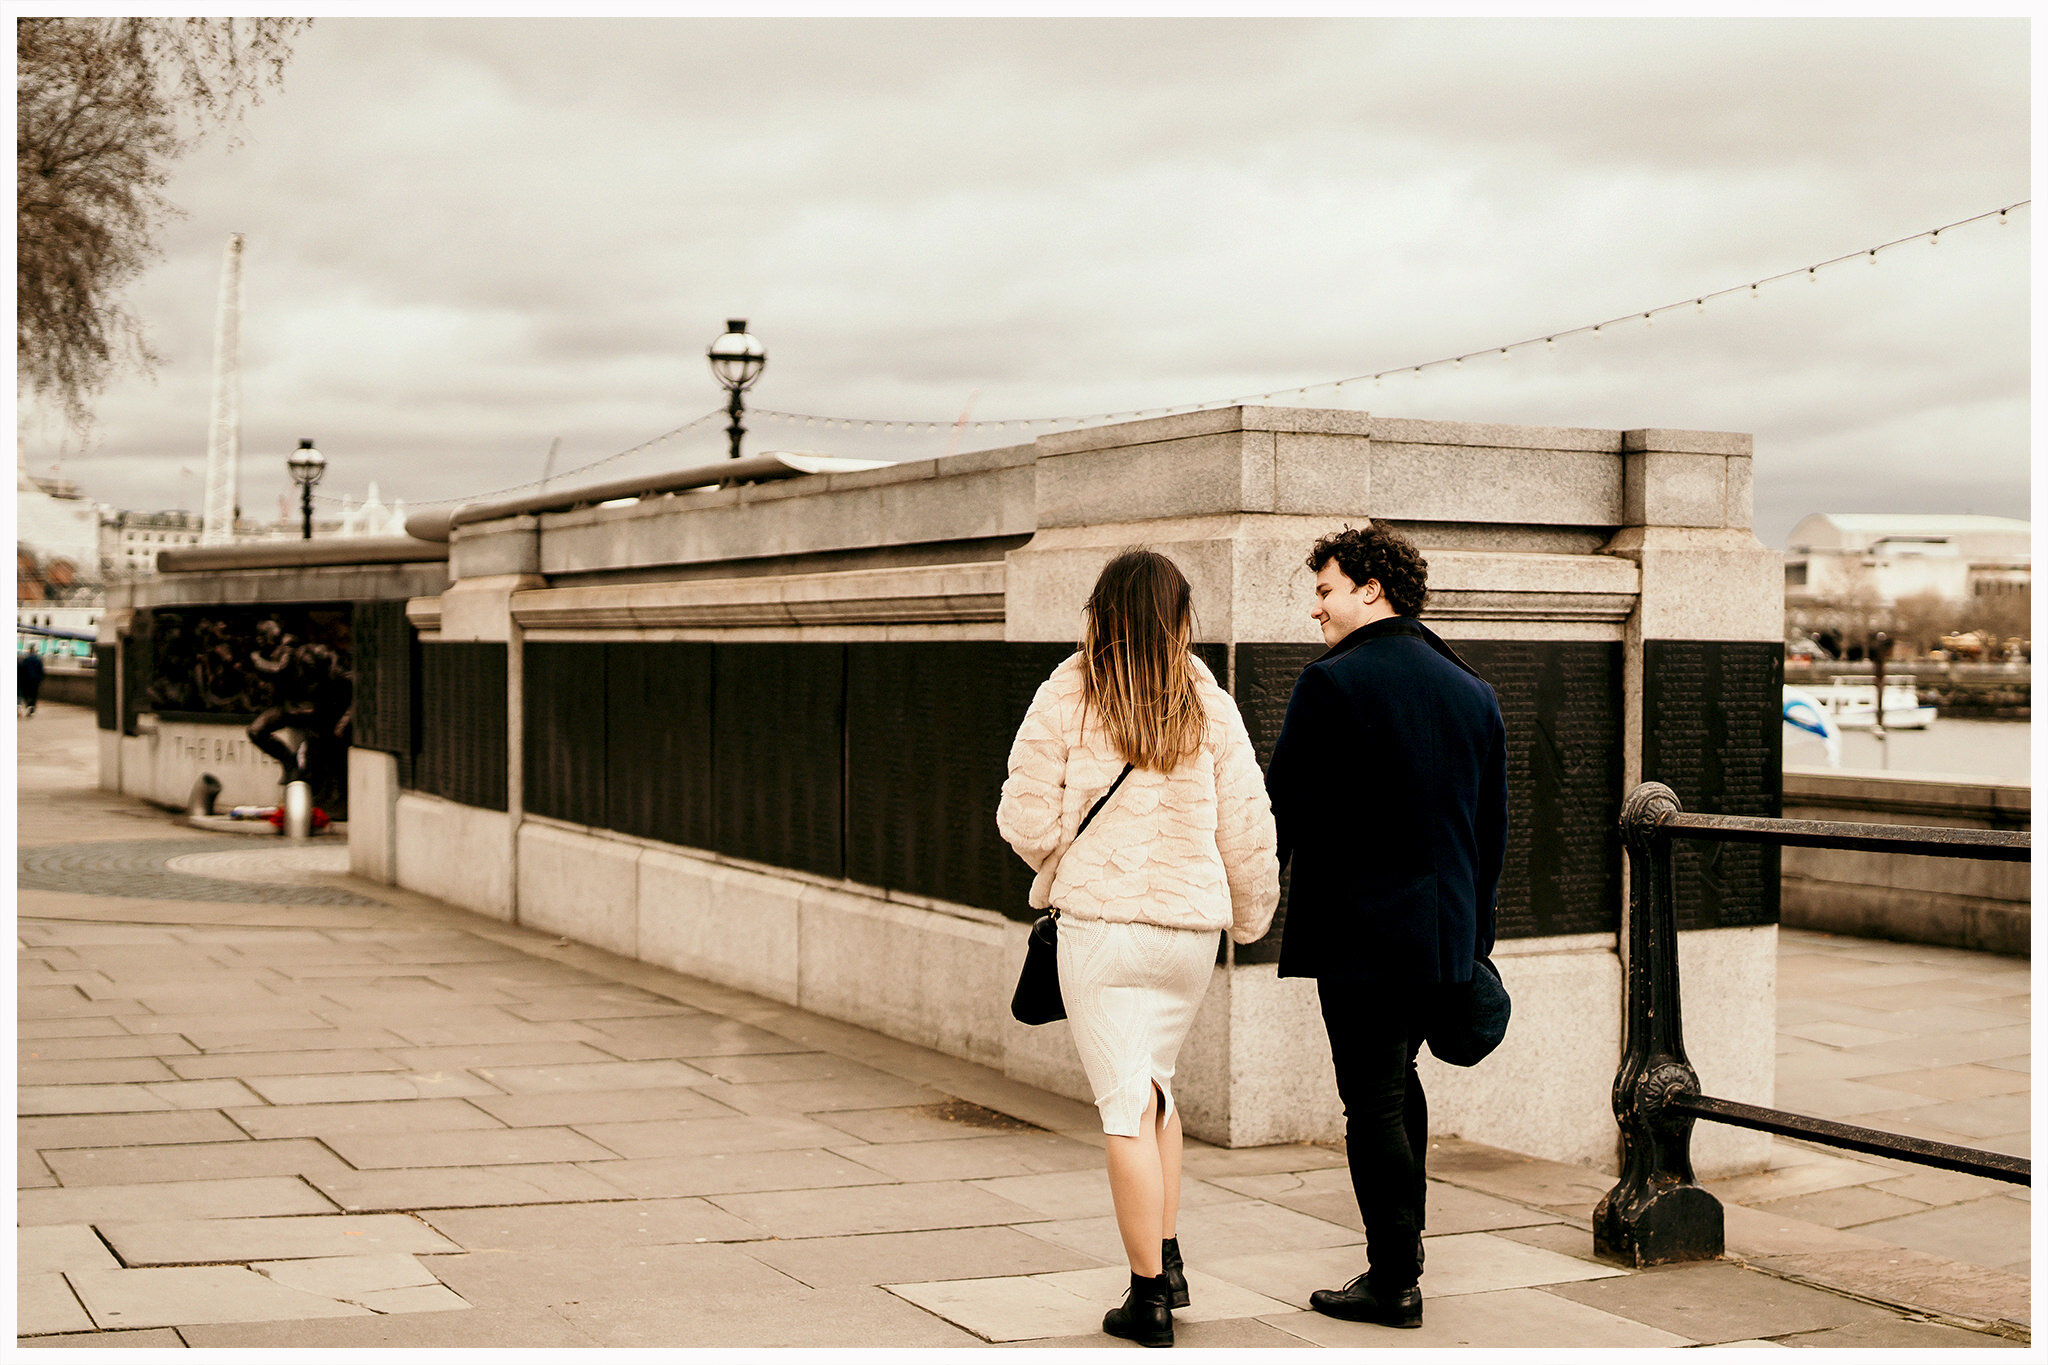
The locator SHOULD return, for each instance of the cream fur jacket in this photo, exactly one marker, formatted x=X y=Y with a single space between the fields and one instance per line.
x=1189 y=849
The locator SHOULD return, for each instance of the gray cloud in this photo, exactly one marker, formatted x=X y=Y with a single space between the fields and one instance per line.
x=468 y=237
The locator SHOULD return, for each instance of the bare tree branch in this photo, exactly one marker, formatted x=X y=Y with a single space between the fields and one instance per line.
x=98 y=104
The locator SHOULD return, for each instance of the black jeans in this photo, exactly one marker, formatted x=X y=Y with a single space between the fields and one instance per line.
x=1375 y=1033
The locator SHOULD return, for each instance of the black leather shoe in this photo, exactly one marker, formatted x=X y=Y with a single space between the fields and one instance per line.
x=1176 y=1274
x=1360 y=1302
x=1146 y=1315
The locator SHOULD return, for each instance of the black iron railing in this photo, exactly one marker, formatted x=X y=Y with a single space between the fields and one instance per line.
x=1657 y=1212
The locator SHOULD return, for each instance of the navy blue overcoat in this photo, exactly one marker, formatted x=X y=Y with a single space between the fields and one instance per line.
x=1389 y=786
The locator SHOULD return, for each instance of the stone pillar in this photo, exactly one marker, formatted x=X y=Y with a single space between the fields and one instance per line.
x=459 y=853
x=1704 y=665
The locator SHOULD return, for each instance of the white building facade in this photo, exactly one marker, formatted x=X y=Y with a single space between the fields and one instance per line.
x=1874 y=560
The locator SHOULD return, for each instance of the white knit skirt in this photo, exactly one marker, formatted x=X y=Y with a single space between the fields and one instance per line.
x=1131 y=991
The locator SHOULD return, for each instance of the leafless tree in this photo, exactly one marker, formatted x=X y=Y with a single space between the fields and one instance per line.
x=102 y=109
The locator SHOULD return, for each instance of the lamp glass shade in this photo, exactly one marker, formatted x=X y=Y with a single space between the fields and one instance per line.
x=737 y=358
x=307 y=464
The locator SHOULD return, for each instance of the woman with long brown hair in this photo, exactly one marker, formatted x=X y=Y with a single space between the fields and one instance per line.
x=1183 y=847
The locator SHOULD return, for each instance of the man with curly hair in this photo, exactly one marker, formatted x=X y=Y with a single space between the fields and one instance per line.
x=1389 y=786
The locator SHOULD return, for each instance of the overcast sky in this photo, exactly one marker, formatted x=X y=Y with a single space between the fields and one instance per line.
x=466 y=238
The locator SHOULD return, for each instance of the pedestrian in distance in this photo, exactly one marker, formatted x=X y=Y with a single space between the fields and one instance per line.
x=1183 y=847
x=1389 y=786
x=28 y=677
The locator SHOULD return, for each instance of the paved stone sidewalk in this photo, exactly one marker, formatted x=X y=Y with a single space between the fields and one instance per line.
x=375 y=1120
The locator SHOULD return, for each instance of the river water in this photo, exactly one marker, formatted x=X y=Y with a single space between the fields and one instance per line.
x=1986 y=750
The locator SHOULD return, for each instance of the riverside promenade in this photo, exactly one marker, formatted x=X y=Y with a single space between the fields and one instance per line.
x=262 y=1103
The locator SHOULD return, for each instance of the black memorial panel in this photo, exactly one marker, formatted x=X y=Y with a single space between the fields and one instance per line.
x=929 y=728
x=658 y=741
x=1264 y=682
x=385 y=649
x=778 y=754
x=1713 y=733
x=462 y=743
x=1560 y=702
x=1561 y=707
x=562 y=747
x=106 y=685
x=139 y=656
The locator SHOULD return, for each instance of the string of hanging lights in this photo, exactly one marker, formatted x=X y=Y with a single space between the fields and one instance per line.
x=1548 y=340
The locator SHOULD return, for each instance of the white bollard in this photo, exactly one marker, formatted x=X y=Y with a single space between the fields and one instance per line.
x=298 y=811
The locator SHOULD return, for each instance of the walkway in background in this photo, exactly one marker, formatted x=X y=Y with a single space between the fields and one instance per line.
x=263 y=1104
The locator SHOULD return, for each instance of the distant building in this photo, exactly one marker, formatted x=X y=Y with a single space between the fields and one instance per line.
x=1873 y=560
x=131 y=541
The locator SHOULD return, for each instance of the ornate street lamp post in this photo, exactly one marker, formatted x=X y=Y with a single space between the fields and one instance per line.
x=737 y=360
x=307 y=465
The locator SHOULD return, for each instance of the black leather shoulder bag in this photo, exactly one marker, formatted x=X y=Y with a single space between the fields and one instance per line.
x=1037 y=999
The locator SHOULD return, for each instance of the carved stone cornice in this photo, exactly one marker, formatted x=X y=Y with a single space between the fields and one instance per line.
x=918 y=594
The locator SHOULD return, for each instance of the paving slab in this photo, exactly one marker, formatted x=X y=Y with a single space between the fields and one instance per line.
x=1209 y=1299
x=1965 y=1082
x=154 y=1337
x=570 y=1227
x=738 y=1173
x=1202 y=1161
x=579 y=1108
x=1942 y=1187
x=29 y=1171
x=1009 y=1307
x=530 y=1326
x=206 y=1241
x=975 y=1158
x=97 y=1026
x=391 y=1085
x=530 y=1080
x=691 y=1036
x=1911 y=1280
x=813 y=1318
x=846 y=1092
x=1902 y=1333
x=495 y=1279
x=548 y=1052
x=472 y=1147
x=430 y=1298
x=902 y=1257
x=1226 y=1334
x=1084 y=1193
x=918 y=1123
x=376 y=1116
x=753 y=1068
x=261 y=1197
x=104 y=1045
x=273 y=1020
x=452 y=1187
x=1720 y=1302
x=1498 y=1319
x=192 y=1161
x=1847 y=1206
x=202 y=1094
x=349 y=1278
x=60 y=1246
x=315 y=1062
x=216 y=1042
x=45 y=1303
x=196 y=1294
x=741 y=1133
x=94 y=1071
x=1211 y=1234
x=849 y=1211
x=126 y=1130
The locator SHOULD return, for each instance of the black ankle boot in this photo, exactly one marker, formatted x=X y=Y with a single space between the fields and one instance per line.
x=1146 y=1315
x=1176 y=1274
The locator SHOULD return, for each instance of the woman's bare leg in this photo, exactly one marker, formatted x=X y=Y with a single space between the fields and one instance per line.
x=1137 y=1190
x=1169 y=1171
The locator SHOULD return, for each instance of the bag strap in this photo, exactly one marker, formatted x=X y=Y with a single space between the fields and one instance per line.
x=1100 y=802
